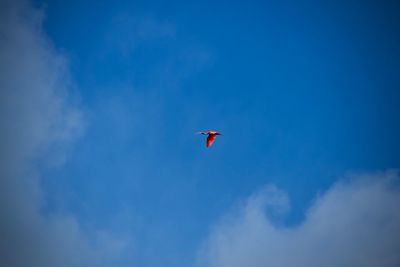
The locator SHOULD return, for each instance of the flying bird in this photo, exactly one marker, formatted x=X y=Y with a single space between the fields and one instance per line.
x=211 y=137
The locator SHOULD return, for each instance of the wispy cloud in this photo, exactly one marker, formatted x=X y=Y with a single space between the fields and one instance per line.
x=39 y=122
x=355 y=223
x=126 y=32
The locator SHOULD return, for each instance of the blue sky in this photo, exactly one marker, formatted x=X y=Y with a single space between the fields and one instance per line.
x=306 y=94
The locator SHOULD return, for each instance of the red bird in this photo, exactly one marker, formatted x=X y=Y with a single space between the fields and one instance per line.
x=211 y=137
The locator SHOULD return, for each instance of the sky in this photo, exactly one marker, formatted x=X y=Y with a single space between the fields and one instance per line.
x=101 y=165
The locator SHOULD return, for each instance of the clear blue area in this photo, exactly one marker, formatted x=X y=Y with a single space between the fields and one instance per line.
x=303 y=91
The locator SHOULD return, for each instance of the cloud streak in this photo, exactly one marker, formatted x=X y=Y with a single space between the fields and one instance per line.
x=355 y=223
x=39 y=122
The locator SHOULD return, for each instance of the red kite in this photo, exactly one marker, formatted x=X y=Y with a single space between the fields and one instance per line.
x=211 y=137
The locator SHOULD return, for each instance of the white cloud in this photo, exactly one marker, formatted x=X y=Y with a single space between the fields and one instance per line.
x=38 y=123
x=355 y=223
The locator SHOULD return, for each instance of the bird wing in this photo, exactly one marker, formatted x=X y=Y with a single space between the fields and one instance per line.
x=210 y=139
